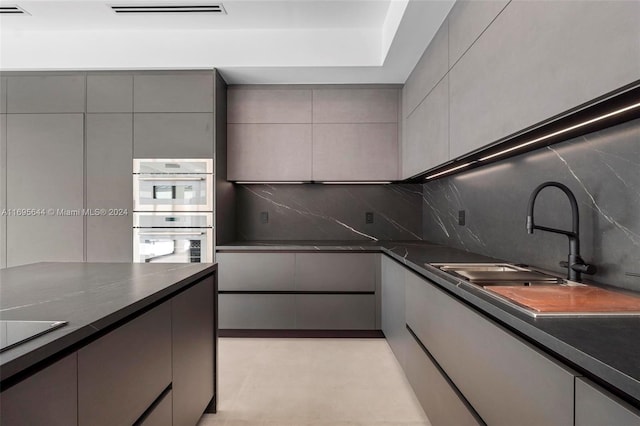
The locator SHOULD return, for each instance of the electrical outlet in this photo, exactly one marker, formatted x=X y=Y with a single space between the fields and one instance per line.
x=264 y=217
x=461 y=217
x=368 y=217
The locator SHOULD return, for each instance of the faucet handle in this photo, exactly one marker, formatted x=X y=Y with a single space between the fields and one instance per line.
x=580 y=266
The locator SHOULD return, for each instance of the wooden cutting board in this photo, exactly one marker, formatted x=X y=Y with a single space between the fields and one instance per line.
x=553 y=298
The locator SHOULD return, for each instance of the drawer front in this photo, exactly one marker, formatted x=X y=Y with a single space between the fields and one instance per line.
x=256 y=311
x=335 y=311
x=47 y=398
x=335 y=271
x=506 y=380
x=256 y=271
x=597 y=407
x=439 y=399
x=123 y=372
x=161 y=413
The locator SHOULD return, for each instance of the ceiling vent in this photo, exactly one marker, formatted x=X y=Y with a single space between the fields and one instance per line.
x=168 y=9
x=12 y=10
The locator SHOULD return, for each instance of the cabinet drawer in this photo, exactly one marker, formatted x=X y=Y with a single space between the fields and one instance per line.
x=256 y=311
x=440 y=400
x=335 y=311
x=335 y=271
x=47 y=398
x=161 y=413
x=597 y=407
x=506 y=380
x=123 y=372
x=256 y=271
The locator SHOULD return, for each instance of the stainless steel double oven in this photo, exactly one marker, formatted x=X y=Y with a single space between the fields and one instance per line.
x=173 y=210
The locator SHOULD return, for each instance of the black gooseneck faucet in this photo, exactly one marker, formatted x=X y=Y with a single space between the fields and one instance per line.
x=575 y=265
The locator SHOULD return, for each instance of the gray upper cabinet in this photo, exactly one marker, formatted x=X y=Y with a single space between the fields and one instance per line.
x=46 y=94
x=183 y=92
x=3 y=95
x=353 y=152
x=193 y=353
x=173 y=135
x=536 y=60
x=45 y=170
x=48 y=397
x=355 y=105
x=248 y=105
x=597 y=407
x=433 y=65
x=269 y=152
x=507 y=381
x=426 y=133
x=467 y=20
x=108 y=186
x=109 y=93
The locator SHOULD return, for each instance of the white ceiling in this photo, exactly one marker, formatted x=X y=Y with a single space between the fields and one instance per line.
x=257 y=41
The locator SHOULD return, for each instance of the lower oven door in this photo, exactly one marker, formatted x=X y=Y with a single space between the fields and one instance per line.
x=177 y=245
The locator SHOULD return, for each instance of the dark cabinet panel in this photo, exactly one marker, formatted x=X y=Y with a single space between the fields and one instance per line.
x=597 y=407
x=169 y=135
x=257 y=311
x=47 y=398
x=256 y=271
x=161 y=415
x=393 y=307
x=193 y=351
x=123 y=372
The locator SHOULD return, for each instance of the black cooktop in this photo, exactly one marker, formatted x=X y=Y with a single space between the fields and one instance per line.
x=15 y=332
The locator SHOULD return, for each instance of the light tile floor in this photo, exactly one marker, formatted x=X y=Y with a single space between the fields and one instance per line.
x=304 y=382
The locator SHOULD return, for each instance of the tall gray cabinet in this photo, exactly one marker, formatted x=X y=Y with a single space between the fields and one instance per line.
x=67 y=141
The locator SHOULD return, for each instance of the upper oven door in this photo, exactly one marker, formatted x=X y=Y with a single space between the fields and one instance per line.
x=188 y=188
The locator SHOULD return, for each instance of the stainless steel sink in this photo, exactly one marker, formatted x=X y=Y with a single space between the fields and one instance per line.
x=484 y=274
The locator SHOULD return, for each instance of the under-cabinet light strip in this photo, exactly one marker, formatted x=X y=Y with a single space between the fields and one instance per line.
x=270 y=183
x=453 y=169
x=559 y=132
x=372 y=182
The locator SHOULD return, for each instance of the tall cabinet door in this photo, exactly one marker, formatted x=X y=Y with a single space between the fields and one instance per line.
x=3 y=190
x=109 y=187
x=45 y=171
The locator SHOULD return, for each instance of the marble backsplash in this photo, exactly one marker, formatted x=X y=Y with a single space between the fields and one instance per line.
x=328 y=212
x=603 y=171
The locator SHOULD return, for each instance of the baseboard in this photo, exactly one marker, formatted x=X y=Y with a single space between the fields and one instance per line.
x=233 y=332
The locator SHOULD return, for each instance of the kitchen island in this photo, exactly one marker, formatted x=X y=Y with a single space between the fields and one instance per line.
x=139 y=343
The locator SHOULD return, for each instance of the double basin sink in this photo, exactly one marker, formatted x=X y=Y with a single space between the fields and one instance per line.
x=541 y=294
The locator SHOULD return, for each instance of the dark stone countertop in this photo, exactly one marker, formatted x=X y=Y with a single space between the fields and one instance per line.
x=605 y=349
x=90 y=296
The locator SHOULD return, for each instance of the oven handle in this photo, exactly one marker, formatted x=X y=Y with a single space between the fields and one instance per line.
x=170 y=233
x=171 y=179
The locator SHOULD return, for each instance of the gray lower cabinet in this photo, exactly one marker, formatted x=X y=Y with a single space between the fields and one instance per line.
x=49 y=397
x=257 y=311
x=597 y=407
x=393 y=307
x=298 y=290
x=121 y=374
x=108 y=186
x=192 y=313
x=336 y=272
x=45 y=170
x=256 y=271
x=505 y=379
x=161 y=414
x=335 y=311
x=441 y=401
x=173 y=135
